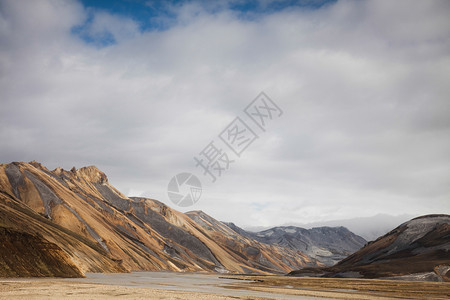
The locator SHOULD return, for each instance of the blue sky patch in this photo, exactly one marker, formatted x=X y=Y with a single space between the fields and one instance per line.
x=158 y=15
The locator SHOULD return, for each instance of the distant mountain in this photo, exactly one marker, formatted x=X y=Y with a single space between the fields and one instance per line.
x=417 y=249
x=98 y=229
x=259 y=255
x=369 y=228
x=326 y=244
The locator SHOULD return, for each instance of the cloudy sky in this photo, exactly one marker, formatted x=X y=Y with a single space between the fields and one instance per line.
x=138 y=88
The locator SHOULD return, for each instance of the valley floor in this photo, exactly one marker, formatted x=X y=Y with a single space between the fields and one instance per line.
x=167 y=285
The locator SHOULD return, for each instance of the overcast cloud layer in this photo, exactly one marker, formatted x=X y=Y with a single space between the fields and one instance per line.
x=364 y=86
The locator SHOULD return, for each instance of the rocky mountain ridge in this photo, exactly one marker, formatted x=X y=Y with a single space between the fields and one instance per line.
x=328 y=245
x=102 y=230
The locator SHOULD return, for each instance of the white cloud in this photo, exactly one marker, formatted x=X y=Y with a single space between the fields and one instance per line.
x=362 y=84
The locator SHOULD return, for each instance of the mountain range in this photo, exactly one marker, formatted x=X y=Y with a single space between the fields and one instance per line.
x=326 y=244
x=92 y=227
x=370 y=228
x=66 y=223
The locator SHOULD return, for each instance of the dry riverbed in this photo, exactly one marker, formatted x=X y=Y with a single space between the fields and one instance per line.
x=340 y=288
x=167 y=285
x=54 y=289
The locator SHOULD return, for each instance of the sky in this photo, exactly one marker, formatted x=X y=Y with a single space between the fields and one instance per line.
x=141 y=88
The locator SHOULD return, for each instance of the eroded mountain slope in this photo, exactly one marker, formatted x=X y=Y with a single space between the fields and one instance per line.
x=26 y=255
x=420 y=246
x=111 y=232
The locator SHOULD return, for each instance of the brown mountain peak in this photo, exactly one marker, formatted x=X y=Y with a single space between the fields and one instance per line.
x=37 y=165
x=92 y=174
x=58 y=171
